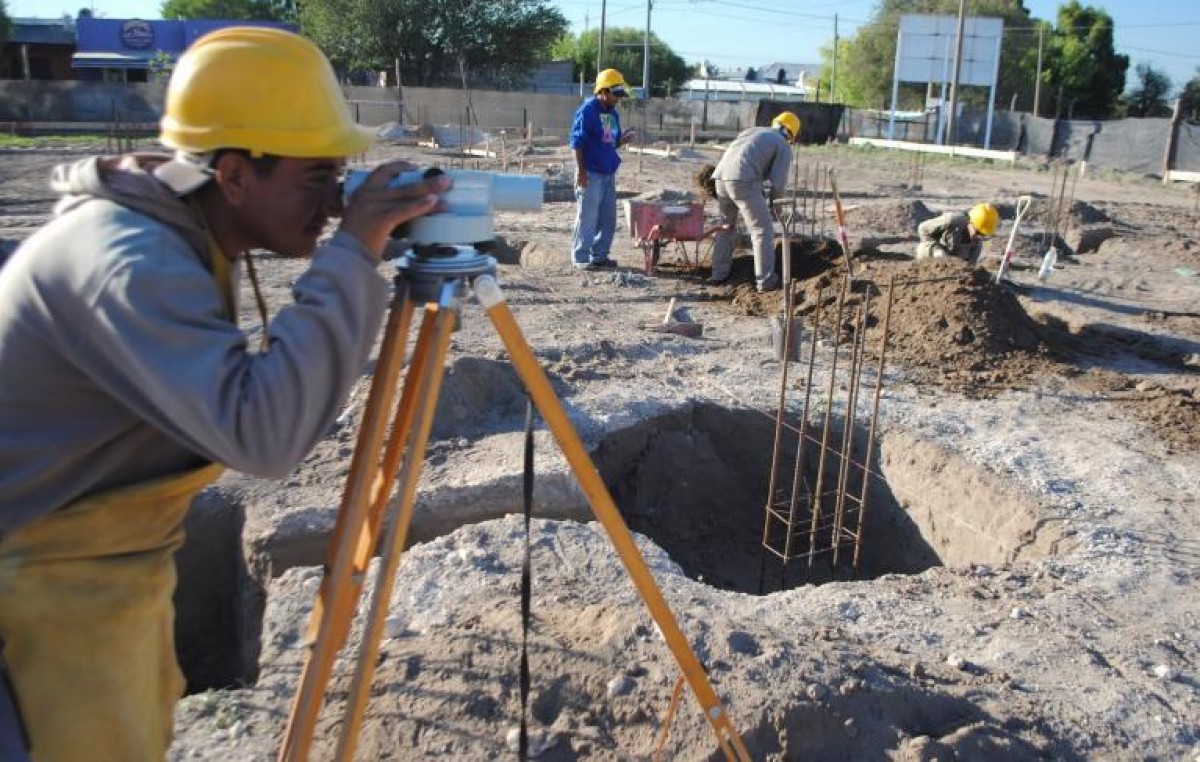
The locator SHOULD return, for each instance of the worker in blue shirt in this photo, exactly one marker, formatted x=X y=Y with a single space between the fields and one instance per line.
x=595 y=137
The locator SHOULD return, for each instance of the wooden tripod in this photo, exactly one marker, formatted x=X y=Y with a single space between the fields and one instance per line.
x=369 y=486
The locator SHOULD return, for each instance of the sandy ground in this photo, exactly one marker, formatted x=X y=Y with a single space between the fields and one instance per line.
x=1027 y=589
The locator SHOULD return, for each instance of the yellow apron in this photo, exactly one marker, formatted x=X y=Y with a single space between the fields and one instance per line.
x=87 y=618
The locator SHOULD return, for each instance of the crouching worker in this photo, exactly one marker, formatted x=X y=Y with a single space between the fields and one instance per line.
x=955 y=234
x=126 y=385
x=756 y=156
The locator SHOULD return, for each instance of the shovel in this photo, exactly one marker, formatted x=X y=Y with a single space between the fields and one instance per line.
x=1022 y=206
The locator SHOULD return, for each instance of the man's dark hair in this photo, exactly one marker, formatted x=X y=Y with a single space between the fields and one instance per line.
x=262 y=164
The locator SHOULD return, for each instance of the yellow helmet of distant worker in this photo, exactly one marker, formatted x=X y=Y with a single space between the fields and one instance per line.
x=985 y=218
x=610 y=79
x=261 y=89
x=789 y=122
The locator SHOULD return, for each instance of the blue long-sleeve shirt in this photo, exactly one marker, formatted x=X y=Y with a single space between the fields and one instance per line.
x=597 y=132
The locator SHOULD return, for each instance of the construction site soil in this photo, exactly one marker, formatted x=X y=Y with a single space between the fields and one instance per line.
x=1028 y=580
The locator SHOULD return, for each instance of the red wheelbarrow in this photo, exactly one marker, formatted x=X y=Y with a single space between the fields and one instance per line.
x=658 y=224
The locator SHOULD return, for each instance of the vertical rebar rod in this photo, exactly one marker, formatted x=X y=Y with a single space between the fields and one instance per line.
x=841 y=454
x=1050 y=203
x=817 y=496
x=811 y=215
x=860 y=337
x=866 y=481
x=789 y=290
x=825 y=189
x=822 y=173
x=1071 y=197
x=807 y=201
x=801 y=439
x=1062 y=198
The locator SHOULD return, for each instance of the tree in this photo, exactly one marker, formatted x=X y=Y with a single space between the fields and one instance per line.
x=1149 y=97
x=437 y=42
x=161 y=64
x=1189 y=100
x=866 y=60
x=238 y=10
x=623 y=50
x=5 y=21
x=1082 y=69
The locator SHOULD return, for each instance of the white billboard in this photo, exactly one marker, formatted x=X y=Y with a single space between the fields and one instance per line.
x=925 y=49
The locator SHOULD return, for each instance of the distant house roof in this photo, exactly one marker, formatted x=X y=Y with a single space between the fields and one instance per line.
x=791 y=72
x=726 y=89
x=28 y=31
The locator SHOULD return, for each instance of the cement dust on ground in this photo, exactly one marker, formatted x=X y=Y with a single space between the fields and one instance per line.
x=1029 y=585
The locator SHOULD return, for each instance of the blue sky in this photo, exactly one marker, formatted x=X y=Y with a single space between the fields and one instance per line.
x=738 y=33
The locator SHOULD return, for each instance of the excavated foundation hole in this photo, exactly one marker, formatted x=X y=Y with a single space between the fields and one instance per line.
x=218 y=604
x=695 y=481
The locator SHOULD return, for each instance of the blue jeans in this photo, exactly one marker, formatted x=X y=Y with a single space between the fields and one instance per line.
x=595 y=219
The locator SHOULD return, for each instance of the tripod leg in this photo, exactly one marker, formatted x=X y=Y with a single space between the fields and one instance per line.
x=551 y=409
x=425 y=383
x=352 y=542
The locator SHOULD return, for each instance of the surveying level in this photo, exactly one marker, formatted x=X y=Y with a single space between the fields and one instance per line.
x=469 y=204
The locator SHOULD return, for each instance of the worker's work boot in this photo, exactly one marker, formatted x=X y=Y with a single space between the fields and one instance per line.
x=770 y=283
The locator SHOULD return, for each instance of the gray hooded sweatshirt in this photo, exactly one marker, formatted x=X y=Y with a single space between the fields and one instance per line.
x=755 y=156
x=120 y=362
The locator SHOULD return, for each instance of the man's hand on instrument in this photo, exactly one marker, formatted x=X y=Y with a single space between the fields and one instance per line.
x=379 y=206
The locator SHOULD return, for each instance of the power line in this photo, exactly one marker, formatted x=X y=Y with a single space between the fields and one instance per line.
x=1190 y=56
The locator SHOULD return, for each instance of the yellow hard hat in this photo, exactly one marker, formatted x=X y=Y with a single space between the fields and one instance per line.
x=610 y=79
x=985 y=218
x=790 y=122
x=261 y=89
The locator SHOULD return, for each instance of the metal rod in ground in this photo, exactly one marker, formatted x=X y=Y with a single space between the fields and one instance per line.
x=824 y=201
x=816 y=209
x=805 y=201
x=802 y=438
x=866 y=479
x=1071 y=197
x=1049 y=206
x=860 y=333
x=1059 y=200
x=817 y=494
x=768 y=510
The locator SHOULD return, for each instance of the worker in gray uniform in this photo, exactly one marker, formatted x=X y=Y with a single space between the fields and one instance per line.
x=955 y=234
x=757 y=156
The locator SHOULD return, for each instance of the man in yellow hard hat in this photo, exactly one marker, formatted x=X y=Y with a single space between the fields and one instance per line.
x=955 y=234
x=126 y=384
x=757 y=156
x=595 y=137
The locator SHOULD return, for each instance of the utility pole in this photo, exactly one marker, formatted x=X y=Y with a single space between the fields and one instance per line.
x=646 y=55
x=958 y=46
x=1037 y=79
x=600 y=47
x=833 y=78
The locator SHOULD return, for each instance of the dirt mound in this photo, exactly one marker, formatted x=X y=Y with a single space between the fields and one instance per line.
x=1041 y=214
x=950 y=324
x=668 y=196
x=1173 y=414
x=898 y=217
